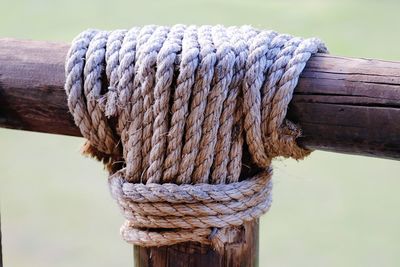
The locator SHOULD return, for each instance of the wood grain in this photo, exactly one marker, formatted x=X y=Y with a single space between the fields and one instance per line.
x=242 y=252
x=349 y=105
x=342 y=104
x=32 y=96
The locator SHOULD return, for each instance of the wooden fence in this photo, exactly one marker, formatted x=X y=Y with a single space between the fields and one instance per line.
x=345 y=105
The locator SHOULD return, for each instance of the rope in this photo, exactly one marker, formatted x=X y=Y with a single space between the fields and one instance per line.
x=171 y=110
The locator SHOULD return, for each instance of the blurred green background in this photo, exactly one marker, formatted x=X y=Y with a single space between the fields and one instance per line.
x=328 y=210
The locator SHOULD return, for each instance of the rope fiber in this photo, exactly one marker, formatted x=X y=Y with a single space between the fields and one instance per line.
x=171 y=111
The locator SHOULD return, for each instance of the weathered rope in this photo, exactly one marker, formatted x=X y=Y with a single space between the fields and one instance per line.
x=169 y=111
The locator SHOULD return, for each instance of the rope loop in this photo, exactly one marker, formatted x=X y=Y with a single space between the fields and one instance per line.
x=171 y=112
x=183 y=211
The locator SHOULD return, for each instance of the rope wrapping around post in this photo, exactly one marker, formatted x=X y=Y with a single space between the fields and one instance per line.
x=169 y=111
x=342 y=104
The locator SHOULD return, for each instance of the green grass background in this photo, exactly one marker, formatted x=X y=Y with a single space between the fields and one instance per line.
x=328 y=210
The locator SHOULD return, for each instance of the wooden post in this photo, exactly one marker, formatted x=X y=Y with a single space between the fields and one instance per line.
x=342 y=104
x=243 y=252
x=1 y=247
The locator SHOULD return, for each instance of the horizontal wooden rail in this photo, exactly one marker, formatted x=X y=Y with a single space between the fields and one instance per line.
x=342 y=104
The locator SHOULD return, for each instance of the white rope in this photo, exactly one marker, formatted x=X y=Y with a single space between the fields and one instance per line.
x=169 y=111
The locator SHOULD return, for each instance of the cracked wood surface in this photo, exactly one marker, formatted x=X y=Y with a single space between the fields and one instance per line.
x=349 y=105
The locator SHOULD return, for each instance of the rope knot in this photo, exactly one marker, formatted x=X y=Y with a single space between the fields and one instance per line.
x=169 y=213
x=171 y=112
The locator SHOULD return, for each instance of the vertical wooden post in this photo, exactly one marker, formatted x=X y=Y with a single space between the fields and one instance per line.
x=243 y=252
x=1 y=247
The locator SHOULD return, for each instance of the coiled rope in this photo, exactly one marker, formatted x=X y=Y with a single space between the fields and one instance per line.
x=169 y=110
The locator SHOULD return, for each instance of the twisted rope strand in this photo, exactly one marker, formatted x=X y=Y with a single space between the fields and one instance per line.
x=180 y=105
x=270 y=87
x=193 y=209
x=93 y=70
x=74 y=87
x=114 y=44
x=186 y=100
x=203 y=78
x=135 y=127
x=147 y=72
x=215 y=99
x=165 y=72
x=126 y=74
